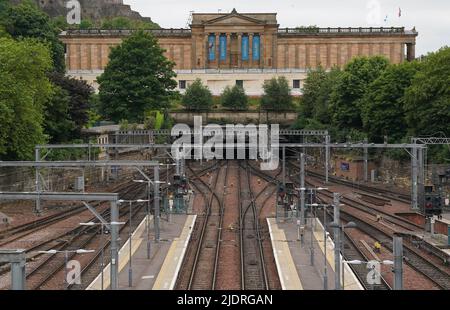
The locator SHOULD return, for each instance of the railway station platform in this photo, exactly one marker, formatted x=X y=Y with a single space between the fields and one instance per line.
x=161 y=271
x=293 y=258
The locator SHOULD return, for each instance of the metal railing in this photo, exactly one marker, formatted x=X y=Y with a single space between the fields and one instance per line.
x=125 y=32
x=339 y=30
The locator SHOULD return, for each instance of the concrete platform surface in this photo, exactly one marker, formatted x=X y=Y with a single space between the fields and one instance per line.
x=297 y=268
x=174 y=237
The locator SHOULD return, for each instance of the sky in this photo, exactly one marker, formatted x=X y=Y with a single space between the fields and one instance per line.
x=431 y=17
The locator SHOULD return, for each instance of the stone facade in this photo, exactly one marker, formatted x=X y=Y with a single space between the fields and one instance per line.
x=222 y=49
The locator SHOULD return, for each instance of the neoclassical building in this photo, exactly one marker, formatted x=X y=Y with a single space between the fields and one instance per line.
x=243 y=48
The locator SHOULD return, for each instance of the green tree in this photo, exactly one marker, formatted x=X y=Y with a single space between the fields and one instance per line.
x=79 y=95
x=317 y=88
x=26 y=20
x=383 y=103
x=351 y=87
x=197 y=97
x=427 y=100
x=24 y=90
x=234 y=98
x=277 y=95
x=57 y=123
x=138 y=78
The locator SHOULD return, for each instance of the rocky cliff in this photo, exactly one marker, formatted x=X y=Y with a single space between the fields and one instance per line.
x=90 y=9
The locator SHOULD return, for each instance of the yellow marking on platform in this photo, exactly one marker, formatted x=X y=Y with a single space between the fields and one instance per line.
x=169 y=270
x=287 y=272
x=351 y=282
x=124 y=256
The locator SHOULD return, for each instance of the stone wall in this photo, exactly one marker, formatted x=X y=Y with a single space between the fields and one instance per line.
x=283 y=118
x=328 y=52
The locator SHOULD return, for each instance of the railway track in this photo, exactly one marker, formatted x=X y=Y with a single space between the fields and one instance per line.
x=394 y=195
x=96 y=263
x=352 y=252
x=435 y=272
x=200 y=272
x=49 y=267
x=254 y=274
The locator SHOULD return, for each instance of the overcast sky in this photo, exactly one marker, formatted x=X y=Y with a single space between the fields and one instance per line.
x=430 y=17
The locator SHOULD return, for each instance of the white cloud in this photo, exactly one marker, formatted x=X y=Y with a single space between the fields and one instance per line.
x=431 y=17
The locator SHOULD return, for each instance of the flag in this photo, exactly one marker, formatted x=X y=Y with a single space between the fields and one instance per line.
x=399 y=12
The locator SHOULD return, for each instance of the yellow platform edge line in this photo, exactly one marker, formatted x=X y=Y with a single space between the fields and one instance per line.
x=168 y=274
x=123 y=257
x=351 y=281
x=291 y=280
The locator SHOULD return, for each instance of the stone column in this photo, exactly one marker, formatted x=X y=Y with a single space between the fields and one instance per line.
x=217 y=51
x=274 y=51
x=228 y=60
x=411 y=51
x=239 y=50
x=206 y=56
x=262 y=51
x=250 y=50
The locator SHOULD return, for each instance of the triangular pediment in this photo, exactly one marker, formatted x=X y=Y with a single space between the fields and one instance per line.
x=234 y=18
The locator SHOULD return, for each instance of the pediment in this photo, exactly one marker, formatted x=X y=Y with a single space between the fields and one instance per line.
x=234 y=19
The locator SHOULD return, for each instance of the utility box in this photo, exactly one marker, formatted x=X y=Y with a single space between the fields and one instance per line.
x=79 y=184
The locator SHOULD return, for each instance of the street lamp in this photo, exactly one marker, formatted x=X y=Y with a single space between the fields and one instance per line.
x=130 y=267
x=325 y=237
x=102 y=264
x=149 y=183
x=66 y=258
x=337 y=252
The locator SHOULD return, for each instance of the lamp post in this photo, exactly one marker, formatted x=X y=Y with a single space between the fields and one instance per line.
x=337 y=252
x=66 y=258
x=130 y=265
x=102 y=263
x=147 y=226
x=302 y=214
x=325 y=237
x=155 y=184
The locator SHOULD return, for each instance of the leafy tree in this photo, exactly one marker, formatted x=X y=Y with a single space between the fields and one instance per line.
x=79 y=93
x=311 y=90
x=351 y=87
x=197 y=97
x=316 y=94
x=26 y=20
x=427 y=100
x=234 y=98
x=138 y=78
x=382 y=105
x=277 y=95
x=57 y=122
x=24 y=90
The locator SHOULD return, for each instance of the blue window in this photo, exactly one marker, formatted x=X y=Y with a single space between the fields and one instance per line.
x=256 y=47
x=223 y=47
x=245 y=48
x=212 y=47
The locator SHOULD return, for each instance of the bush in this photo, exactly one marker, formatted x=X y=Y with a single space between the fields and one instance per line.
x=234 y=98
x=197 y=97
